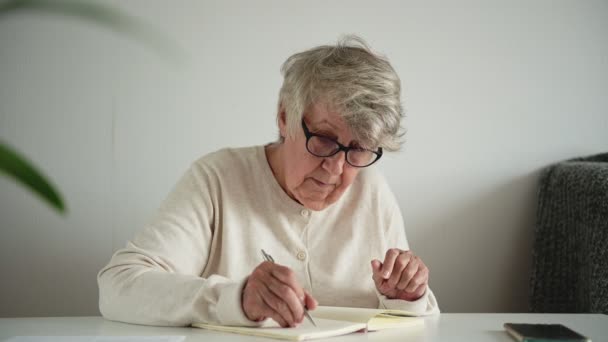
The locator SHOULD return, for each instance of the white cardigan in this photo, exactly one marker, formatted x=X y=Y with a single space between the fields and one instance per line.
x=190 y=262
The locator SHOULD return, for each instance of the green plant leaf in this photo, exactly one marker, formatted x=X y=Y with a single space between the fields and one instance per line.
x=24 y=172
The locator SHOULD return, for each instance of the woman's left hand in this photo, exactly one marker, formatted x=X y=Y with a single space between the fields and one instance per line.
x=402 y=275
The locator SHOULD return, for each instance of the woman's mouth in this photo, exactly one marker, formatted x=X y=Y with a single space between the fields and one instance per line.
x=322 y=184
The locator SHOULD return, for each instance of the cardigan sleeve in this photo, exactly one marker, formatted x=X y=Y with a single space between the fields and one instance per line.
x=155 y=279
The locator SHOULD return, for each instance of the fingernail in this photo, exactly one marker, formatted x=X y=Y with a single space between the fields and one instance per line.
x=385 y=274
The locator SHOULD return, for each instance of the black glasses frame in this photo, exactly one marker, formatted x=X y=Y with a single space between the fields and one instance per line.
x=341 y=147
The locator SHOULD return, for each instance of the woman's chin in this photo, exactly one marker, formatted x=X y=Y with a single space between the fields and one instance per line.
x=316 y=206
x=317 y=202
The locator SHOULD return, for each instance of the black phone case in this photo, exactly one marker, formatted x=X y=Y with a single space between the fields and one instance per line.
x=543 y=332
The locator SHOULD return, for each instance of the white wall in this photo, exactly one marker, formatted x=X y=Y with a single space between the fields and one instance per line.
x=494 y=91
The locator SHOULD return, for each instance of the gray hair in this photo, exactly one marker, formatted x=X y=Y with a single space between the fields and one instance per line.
x=352 y=80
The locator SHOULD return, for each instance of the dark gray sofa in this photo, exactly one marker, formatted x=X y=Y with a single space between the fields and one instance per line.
x=570 y=255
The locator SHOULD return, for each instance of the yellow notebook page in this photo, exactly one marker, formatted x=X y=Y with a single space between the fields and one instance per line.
x=375 y=319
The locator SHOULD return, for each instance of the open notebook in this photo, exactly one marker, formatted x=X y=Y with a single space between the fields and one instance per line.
x=331 y=321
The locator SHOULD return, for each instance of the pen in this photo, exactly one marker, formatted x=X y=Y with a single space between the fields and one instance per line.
x=268 y=257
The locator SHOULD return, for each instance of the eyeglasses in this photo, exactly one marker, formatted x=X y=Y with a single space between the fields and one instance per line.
x=321 y=146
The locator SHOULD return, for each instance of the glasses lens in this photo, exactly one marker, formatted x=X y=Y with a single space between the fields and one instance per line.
x=361 y=157
x=322 y=147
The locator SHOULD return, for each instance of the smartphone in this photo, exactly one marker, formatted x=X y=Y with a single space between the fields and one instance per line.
x=543 y=332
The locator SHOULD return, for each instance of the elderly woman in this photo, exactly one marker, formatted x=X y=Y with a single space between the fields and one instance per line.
x=312 y=200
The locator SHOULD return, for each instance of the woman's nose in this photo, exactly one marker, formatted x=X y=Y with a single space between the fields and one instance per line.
x=335 y=163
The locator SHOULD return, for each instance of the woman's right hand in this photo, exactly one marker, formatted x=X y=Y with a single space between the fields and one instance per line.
x=273 y=291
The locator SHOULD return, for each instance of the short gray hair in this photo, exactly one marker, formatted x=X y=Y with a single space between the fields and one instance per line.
x=348 y=77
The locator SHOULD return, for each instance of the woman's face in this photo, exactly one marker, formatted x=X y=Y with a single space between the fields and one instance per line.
x=316 y=182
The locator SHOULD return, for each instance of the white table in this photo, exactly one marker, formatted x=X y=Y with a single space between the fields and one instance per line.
x=446 y=327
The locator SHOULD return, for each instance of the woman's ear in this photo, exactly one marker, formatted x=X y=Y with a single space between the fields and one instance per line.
x=282 y=121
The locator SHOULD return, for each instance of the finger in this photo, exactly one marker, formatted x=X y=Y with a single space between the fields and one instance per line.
x=251 y=305
x=288 y=277
x=262 y=308
x=257 y=300
x=252 y=302
x=310 y=302
x=266 y=266
x=376 y=266
x=267 y=311
x=389 y=261
x=277 y=305
x=421 y=277
x=377 y=272
x=263 y=271
x=416 y=295
x=278 y=318
x=288 y=288
x=419 y=292
x=289 y=297
x=408 y=273
x=402 y=262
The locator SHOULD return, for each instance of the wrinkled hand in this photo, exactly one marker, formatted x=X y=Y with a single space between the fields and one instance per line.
x=273 y=291
x=402 y=275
